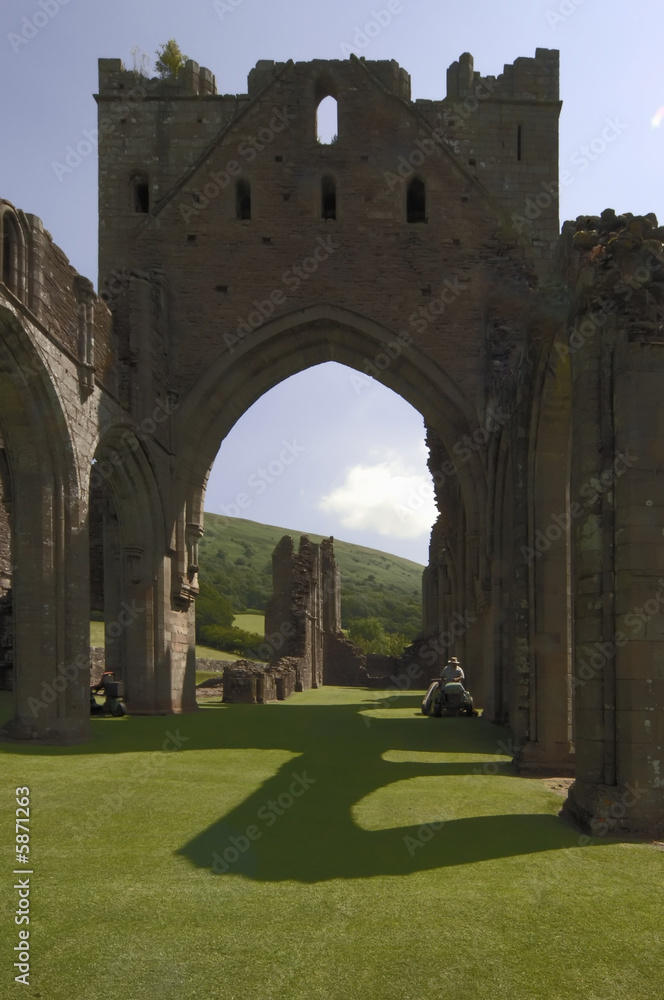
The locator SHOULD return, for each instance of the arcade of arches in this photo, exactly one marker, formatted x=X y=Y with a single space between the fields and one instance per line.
x=421 y=247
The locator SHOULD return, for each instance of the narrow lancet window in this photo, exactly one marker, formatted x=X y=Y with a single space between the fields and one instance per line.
x=243 y=199
x=327 y=126
x=328 y=198
x=140 y=190
x=416 y=201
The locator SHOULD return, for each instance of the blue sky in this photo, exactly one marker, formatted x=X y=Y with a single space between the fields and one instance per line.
x=361 y=462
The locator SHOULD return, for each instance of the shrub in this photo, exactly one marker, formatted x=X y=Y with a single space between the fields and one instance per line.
x=229 y=639
x=170 y=59
x=370 y=635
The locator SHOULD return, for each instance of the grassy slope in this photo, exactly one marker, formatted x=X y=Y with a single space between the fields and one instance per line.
x=503 y=901
x=229 y=539
x=257 y=624
x=251 y=623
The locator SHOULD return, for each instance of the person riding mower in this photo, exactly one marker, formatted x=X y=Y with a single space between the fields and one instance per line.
x=113 y=691
x=447 y=695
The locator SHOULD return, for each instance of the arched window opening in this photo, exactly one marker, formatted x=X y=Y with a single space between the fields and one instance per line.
x=243 y=199
x=140 y=193
x=10 y=253
x=327 y=125
x=416 y=201
x=328 y=198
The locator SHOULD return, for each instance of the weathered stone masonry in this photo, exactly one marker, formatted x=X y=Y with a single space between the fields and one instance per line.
x=235 y=251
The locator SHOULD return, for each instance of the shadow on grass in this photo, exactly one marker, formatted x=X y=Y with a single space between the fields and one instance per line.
x=299 y=824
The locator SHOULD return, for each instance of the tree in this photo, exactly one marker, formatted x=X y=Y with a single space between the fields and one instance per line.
x=170 y=60
x=370 y=635
x=367 y=629
x=212 y=608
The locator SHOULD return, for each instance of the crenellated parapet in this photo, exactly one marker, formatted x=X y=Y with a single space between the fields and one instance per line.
x=525 y=79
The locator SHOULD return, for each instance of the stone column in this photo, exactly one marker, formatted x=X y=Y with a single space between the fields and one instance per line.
x=618 y=677
x=51 y=609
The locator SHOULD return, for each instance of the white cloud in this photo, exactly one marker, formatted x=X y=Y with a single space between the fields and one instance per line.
x=388 y=497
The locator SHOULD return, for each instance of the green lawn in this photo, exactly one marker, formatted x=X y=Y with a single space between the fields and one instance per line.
x=205 y=675
x=251 y=623
x=97 y=634
x=414 y=865
x=216 y=654
x=257 y=624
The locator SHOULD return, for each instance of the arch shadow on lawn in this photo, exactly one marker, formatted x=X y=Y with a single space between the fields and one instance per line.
x=345 y=756
x=345 y=752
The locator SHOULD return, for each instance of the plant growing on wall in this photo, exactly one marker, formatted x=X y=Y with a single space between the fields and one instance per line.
x=170 y=59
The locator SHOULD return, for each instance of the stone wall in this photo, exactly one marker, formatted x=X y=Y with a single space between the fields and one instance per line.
x=345 y=663
x=299 y=605
x=250 y=683
x=615 y=350
x=237 y=250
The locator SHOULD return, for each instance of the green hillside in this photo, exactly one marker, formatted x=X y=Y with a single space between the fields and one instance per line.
x=236 y=558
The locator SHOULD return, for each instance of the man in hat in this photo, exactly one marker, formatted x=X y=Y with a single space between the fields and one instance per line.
x=452 y=671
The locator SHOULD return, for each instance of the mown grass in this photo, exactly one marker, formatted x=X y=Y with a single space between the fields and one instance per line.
x=332 y=900
x=97 y=639
x=251 y=623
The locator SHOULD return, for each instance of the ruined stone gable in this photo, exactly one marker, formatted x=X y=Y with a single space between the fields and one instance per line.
x=421 y=247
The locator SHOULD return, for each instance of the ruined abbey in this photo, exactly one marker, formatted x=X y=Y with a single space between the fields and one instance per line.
x=422 y=247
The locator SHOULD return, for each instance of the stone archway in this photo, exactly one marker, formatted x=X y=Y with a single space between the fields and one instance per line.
x=146 y=629
x=309 y=337
x=49 y=548
x=547 y=558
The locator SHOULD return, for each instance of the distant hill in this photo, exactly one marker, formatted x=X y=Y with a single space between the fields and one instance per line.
x=236 y=558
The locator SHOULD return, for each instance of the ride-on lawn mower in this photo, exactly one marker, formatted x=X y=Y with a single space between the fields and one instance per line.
x=114 y=692
x=448 y=698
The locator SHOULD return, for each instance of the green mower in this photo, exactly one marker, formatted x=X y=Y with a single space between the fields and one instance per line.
x=448 y=698
x=114 y=693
